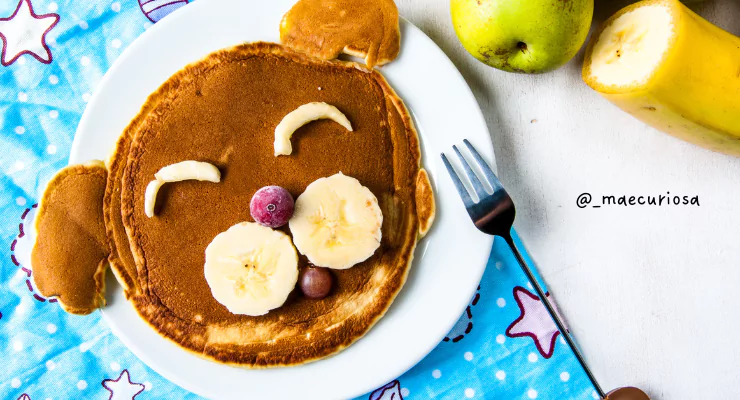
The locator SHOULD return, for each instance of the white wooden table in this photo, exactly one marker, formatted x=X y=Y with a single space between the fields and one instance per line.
x=649 y=292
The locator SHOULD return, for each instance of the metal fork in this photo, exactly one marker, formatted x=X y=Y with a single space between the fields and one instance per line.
x=494 y=214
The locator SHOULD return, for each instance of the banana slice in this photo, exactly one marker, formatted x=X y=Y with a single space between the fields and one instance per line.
x=301 y=116
x=251 y=269
x=336 y=223
x=184 y=170
x=629 y=50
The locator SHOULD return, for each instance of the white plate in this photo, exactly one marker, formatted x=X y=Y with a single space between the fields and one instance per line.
x=449 y=261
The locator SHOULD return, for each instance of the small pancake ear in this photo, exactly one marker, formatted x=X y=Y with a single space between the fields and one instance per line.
x=362 y=28
x=69 y=257
x=426 y=208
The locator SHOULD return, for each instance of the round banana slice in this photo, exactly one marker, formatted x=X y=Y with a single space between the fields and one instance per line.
x=251 y=269
x=336 y=223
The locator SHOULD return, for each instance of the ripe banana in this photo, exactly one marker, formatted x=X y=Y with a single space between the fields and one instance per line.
x=336 y=223
x=181 y=171
x=670 y=68
x=251 y=269
x=301 y=116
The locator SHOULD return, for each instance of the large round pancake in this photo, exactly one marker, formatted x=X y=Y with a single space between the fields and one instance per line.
x=223 y=110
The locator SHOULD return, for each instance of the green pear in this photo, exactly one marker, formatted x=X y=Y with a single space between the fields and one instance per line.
x=526 y=36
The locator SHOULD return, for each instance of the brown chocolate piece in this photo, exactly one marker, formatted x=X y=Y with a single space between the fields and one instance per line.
x=224 y=110
x=326 y=28
x=69 y=255
x=627 y=393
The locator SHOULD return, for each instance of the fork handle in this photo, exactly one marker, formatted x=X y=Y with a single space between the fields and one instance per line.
x=554 y=315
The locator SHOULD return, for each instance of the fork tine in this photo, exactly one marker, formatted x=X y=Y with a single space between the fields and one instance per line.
x=458 y=183
x=477 y=185
x=487 y=171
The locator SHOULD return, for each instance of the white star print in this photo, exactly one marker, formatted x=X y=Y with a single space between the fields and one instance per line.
x=24 y=32
x=122 y=388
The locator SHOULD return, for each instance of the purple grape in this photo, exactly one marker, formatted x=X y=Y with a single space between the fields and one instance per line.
x=316 y=282
x=271 y=206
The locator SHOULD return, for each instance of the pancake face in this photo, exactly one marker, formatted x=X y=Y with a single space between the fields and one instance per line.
x=69 y=255
x=223 y=110
x=326 y=28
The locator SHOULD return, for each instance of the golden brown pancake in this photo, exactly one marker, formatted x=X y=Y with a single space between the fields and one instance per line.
x=223 y=110
x=425 y=205
x=120 y=259
x=326 y=28
x=69 y=255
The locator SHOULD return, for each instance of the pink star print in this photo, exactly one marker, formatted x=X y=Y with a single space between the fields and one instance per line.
x=24 y=32
x=122 y=389
x=534 y=321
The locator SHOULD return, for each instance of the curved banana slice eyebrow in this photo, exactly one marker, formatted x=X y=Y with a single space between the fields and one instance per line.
x=184 y=170
x=301 y=116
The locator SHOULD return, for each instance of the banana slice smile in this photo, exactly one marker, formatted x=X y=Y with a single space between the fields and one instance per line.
x=251 y=269
x=337 y=222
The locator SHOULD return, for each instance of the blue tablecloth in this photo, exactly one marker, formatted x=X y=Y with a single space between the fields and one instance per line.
x=54 y=54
